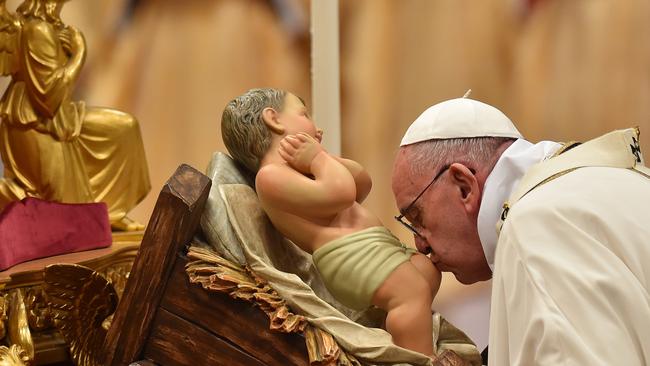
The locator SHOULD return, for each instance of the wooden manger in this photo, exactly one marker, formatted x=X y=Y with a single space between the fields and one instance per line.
x=223 y=318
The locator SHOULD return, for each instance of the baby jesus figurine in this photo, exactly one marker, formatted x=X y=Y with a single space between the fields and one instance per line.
x=313 y=198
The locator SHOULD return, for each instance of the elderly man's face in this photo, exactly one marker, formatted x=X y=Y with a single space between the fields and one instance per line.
x=444 y=216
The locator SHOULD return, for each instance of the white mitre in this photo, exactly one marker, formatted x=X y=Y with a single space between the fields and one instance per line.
x=460 y=118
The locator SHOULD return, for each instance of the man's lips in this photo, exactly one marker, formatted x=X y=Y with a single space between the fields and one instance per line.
x=424 y=249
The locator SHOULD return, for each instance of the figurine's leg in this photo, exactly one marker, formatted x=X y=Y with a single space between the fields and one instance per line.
x=38 y=165
x=16 y=151
x=406 y=296
x=113 y=152
x=428 y=271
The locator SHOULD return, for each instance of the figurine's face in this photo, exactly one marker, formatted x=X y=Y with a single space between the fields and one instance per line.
x=295 y=118
x=54 y=6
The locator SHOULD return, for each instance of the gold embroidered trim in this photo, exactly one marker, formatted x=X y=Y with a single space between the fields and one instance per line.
x=566 y=146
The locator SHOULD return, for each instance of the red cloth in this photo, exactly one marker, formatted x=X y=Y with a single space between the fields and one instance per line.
x=34 y=228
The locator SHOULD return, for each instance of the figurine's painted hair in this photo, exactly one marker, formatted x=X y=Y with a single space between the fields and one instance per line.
x=243 y=130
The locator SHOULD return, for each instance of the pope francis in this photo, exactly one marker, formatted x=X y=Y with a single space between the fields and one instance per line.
x=562 y=230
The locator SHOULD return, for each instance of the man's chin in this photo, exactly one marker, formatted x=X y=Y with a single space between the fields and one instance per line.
x=468 y=280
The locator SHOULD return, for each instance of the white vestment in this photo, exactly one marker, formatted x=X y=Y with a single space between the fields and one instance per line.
x=571 y=274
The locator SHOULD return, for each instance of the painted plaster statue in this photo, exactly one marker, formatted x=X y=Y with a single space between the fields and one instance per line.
x=313 y=198
x=53 y=147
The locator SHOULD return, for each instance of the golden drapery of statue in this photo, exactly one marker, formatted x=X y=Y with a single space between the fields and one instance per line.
x=53 y=147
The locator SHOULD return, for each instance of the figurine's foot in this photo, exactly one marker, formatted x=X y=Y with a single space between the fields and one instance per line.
x=126 y=224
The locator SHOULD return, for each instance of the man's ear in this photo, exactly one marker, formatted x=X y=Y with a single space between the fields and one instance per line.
x=467 y=183
x=270 y=117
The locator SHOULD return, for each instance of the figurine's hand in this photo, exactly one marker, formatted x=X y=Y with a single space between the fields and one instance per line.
x=299 y=151
x=78 y=39
x=65 y=36
x=72 y=39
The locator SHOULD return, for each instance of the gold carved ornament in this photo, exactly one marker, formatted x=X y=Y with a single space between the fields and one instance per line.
x=13 y=356
x=80 y=301
x=21 y=353
x=3 y=315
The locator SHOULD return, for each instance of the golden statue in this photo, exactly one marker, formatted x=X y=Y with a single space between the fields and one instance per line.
x=52 y=147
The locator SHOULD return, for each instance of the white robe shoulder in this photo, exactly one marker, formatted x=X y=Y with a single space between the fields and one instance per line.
x=571 y=281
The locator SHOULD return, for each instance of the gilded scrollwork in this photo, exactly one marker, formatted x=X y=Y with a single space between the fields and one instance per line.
x=13 y=356
x=117 y=275
x=3 y=315
x=39 y=315
x=80 y=300
x=26 y=315
x=18 y=330
x=38 y=312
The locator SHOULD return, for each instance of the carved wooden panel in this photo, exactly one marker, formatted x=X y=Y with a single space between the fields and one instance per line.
x=174 y=220
x=236 y=321
x=177 y=342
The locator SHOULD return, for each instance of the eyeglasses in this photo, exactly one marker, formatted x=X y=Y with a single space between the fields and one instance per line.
x=400 y=218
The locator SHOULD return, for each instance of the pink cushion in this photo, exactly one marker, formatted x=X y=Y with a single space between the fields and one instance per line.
x=34 y=228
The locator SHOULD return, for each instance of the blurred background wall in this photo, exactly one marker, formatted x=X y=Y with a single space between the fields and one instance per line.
x=562 y=70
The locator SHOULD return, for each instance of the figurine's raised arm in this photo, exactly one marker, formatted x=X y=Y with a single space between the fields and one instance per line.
x=361 y=177
x=52 y=69
x=285 y=187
